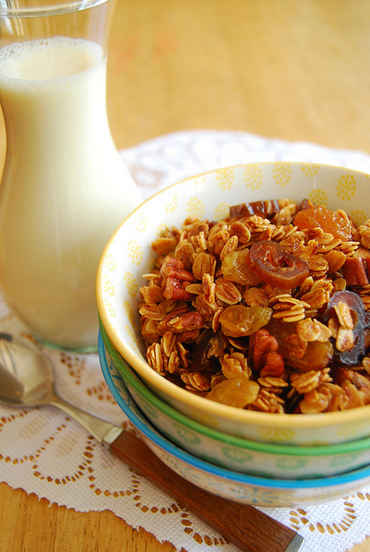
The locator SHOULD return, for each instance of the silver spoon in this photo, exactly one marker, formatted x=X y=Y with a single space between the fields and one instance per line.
x=26 y=380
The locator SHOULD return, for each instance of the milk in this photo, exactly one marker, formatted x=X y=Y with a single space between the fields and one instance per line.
x=64 y=187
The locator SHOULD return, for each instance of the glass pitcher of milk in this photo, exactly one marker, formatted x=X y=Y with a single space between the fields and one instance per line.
x=64 y=187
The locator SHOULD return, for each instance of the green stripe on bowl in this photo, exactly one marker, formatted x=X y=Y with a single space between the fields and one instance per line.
x=293 y=450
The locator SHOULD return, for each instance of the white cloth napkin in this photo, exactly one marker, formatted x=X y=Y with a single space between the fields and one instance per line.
x=44 y=452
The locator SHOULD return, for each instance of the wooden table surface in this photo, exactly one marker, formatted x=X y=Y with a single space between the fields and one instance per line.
x=291 y=69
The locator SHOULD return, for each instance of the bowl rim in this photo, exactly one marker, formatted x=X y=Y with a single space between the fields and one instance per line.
x=207 y=467
x=298 y=421
x=240 y=442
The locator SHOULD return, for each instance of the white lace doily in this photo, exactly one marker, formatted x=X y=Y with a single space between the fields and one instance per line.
x=44 y=452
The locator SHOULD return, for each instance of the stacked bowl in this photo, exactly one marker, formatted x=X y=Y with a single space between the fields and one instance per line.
x=248 y=456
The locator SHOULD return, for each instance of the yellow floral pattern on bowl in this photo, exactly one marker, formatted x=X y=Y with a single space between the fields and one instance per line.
x=310 y=169
x=172 y=204
x=318 y=197
x=225 y=178
x=129 y=252
x=221 y=211
x=346 y=187
x=195 y=207
x=253 y=176
x=135 y=251
x=282 y=173
x=131 y=283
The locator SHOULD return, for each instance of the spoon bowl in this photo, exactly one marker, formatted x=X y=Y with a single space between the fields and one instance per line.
x=25 y=375
x=26 y=380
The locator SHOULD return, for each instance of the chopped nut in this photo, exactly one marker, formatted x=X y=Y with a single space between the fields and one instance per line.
x=273 y=365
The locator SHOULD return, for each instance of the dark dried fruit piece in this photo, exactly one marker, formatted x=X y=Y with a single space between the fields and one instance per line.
x=354 y=272
x=261 y=208
x=276 y=267
x=355 y=304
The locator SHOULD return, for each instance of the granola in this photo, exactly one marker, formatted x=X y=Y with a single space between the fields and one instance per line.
x=266 y=310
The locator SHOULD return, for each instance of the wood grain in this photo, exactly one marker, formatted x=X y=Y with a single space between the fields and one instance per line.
x=296 y=70
x=245 y=526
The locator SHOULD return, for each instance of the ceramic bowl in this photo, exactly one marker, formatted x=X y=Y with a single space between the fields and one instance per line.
x=243 y=488
x=128 y=255
x=242 y=455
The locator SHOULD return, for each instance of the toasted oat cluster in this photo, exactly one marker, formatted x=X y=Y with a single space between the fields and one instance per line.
x=266 y=310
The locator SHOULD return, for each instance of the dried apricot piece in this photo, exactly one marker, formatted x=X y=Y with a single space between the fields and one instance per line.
x=333 y=222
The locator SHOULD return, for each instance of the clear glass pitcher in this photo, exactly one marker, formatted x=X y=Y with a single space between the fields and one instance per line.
x=64 y=187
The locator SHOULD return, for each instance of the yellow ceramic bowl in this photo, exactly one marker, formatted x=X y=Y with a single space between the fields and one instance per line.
x=128 y=255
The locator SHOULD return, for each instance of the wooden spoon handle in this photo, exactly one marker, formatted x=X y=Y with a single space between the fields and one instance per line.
x=243 y=525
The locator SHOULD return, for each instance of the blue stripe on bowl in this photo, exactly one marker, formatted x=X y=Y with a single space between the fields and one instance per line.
x=159 y=440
